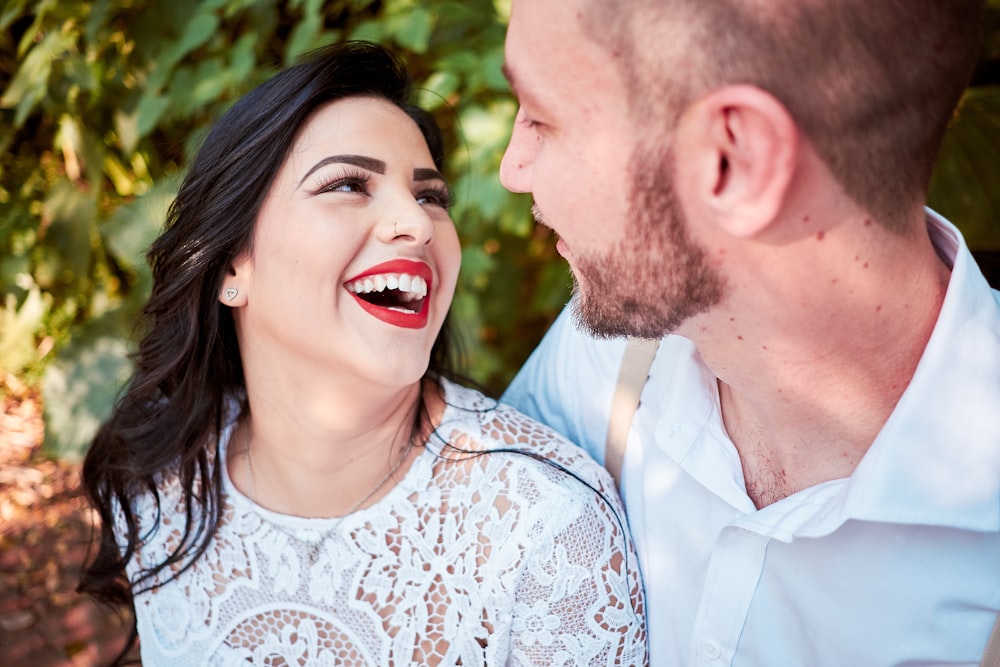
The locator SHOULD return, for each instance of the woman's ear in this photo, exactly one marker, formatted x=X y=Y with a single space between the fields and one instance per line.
x=740 y=147
x=236 y=287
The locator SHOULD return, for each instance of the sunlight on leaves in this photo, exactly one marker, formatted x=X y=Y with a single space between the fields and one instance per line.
x=80 y=387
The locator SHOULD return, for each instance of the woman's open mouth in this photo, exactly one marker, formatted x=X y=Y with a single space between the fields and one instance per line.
x=394 y=292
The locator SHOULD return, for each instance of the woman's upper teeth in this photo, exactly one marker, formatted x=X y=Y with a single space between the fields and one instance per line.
x=412 y=285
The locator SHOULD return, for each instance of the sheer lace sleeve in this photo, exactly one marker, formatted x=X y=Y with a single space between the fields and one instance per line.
x=579 y=598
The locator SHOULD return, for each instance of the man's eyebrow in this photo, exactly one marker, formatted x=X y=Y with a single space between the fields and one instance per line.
x=369 y=163
x=523 y=95
x=426 y=174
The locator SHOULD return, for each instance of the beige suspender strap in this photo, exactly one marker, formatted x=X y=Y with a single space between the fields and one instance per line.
x=991 y=658
x=632 y=376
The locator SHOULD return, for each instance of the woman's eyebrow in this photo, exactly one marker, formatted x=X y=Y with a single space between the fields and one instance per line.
x=426 y=174
x=369 y=163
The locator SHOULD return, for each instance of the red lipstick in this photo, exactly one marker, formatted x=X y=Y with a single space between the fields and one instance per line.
x=396 y=316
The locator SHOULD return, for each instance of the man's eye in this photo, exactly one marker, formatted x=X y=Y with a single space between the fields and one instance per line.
x=526 y=120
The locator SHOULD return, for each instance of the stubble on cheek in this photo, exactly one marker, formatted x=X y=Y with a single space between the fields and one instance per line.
x=655 y=277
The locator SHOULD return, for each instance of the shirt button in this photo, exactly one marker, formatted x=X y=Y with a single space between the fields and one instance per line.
x=710 y=649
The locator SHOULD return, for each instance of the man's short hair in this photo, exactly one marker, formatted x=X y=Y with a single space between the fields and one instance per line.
x=871 y=83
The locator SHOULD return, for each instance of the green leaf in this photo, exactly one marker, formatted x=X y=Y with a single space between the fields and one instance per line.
x=486 y=129
x=151 y=108
x=966 y=182
x=81 y=384
x=12 y=10
x=134 y=226
x=127 y=128
x=12 y=268
x=80 y=74
x=243 y=58
x=197 y=31
x=553 y=288
x=96 y=17
x=18 y=328
x=502 y=8
x=195 y=86
x=412 y=30
x=307 y=34
x=477 y=265
x=73 y=214
x=436 y=90
x=119 y=176
x=30 y=84
x=370 y=31
x=39 y=12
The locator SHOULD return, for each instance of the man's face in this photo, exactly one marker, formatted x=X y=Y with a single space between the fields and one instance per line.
x=601 y=183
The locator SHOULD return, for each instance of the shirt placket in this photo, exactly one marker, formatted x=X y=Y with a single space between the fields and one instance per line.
x=733 y=574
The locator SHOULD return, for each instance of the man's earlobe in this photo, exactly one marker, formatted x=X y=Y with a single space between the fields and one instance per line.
x=740 y=146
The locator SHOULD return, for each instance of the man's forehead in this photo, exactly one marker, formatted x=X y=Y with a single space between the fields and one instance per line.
x=547 y=51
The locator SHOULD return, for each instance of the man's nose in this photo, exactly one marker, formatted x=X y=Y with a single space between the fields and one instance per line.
x=515 y=167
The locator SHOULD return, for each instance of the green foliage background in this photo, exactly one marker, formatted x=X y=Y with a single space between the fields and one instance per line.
x=103 y=103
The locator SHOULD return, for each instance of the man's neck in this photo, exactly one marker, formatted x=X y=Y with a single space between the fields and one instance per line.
x=811 y=366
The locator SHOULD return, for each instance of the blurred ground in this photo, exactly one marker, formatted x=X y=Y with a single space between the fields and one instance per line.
x=44 y=530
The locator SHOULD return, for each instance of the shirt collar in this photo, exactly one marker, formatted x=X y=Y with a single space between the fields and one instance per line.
x=937 y=459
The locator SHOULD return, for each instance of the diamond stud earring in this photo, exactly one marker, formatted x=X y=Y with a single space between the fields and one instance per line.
x=231 y=293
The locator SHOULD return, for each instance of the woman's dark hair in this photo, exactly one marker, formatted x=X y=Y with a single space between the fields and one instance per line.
x=187 y=366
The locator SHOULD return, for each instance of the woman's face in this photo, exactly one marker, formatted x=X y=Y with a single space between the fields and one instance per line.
x=354 y=257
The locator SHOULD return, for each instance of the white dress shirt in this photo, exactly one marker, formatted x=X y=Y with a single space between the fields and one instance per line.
x=898 y=564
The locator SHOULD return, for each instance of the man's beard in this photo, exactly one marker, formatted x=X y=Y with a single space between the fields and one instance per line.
x=656 y=277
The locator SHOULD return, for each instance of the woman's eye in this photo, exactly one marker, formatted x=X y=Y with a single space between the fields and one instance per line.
x=435 y=198
x=345 y=184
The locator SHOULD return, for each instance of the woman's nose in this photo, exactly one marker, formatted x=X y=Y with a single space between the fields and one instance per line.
x=407 y=222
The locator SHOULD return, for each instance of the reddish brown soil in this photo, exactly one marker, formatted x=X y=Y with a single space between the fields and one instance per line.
x=45 y=527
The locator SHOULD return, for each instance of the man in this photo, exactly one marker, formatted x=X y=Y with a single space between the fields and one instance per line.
x=813 y=474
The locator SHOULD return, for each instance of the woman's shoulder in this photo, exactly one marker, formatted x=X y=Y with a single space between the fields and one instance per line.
x=475 y=422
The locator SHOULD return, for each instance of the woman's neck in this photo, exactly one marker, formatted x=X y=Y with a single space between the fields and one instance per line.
x=319 y=456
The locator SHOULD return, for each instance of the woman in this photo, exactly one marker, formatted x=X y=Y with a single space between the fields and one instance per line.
x=290 y=477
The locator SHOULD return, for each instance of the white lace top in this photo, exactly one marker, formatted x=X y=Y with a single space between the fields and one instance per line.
x=487 y=560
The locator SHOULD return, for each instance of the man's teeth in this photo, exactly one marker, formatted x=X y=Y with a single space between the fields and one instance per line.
x=410 y=287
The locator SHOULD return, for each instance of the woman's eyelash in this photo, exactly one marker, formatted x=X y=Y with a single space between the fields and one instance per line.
x=437 y=196
x=353 y=178
x=359 y=180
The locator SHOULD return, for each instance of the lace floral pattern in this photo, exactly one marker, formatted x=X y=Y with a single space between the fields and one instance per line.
x=470 y=560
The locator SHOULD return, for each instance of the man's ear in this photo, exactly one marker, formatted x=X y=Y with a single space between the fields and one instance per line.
x=739 y=146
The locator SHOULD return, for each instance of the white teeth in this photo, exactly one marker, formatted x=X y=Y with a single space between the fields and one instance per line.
x=412 y=287
x=419 y=286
